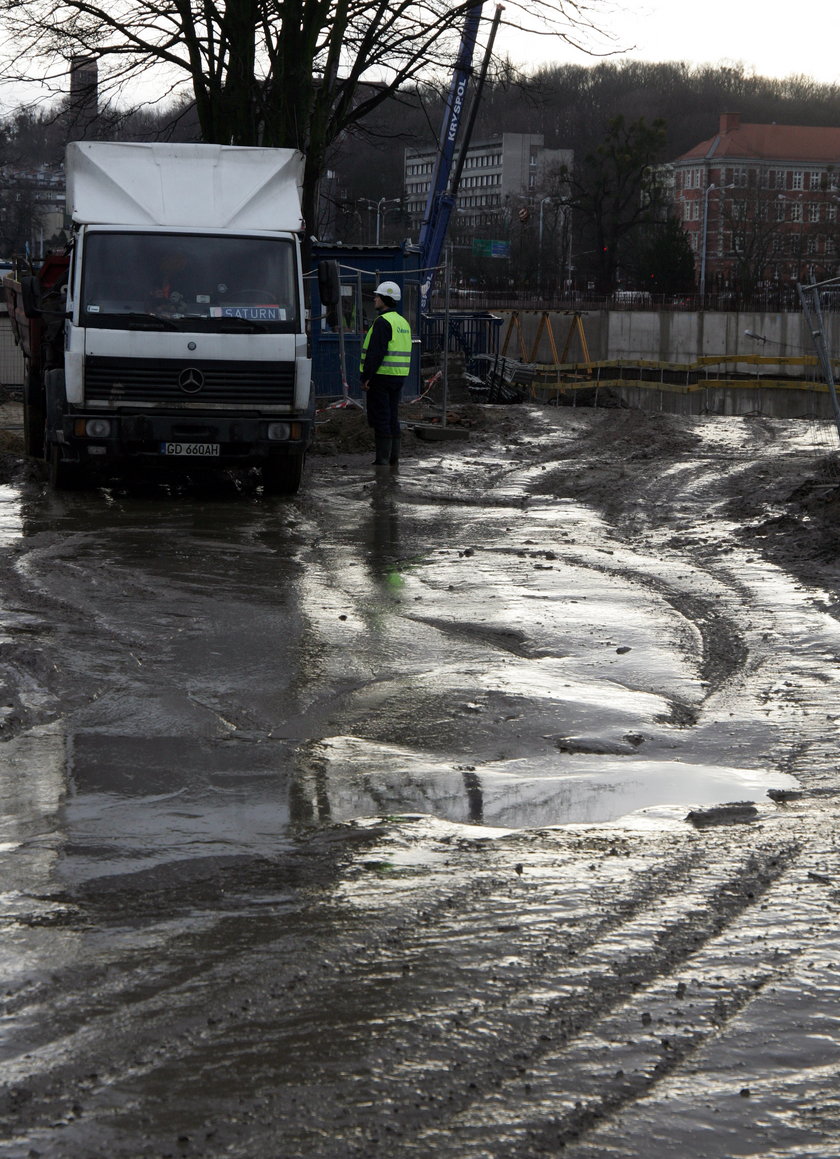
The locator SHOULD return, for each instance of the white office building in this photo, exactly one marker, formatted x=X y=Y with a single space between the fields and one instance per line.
x=501 y=175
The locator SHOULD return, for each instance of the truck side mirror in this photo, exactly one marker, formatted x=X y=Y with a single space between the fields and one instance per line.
x=30 y=296
x=329 y=289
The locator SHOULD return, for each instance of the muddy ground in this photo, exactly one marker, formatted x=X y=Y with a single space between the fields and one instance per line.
x=482 y=809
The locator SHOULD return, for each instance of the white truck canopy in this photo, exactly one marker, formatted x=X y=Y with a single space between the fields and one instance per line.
x=196 y=186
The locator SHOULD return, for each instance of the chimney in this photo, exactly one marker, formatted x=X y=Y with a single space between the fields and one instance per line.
x=83 y=104
x=729 y=122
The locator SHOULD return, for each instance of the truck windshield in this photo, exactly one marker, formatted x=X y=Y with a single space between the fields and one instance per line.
x=189 y=281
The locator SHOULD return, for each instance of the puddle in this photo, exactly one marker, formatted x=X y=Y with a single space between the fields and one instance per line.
x=357 y=779
x=11 y=521
x=136 y=803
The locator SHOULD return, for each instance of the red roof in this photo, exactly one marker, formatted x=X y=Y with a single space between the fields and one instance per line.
x=794 y=143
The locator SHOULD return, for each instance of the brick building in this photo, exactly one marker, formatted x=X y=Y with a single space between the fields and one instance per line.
x=760 y=205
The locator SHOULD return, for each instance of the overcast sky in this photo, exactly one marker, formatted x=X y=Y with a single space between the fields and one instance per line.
x=768 y=39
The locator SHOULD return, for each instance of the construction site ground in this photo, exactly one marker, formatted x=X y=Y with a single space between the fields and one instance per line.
x=483 y=809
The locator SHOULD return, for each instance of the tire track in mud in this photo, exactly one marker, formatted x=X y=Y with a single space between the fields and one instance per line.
x=562 y=994
x=726 y=656
x=759 y=648
x=627 y=1052
x=489 y=974
x=787 y=647
x=507 y=997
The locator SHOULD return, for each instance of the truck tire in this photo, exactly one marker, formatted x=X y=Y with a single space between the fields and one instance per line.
x=282 y=476
x=34 y=414
x=63 y=474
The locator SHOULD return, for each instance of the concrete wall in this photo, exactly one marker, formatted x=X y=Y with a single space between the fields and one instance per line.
x=793 y=403
x=671 y=336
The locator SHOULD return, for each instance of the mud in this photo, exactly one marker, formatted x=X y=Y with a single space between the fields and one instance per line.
x=482 y=809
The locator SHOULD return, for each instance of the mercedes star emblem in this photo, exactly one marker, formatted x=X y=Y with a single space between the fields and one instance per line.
x=191 y=380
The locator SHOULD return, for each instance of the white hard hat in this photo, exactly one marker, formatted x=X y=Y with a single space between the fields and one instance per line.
x=389 y=290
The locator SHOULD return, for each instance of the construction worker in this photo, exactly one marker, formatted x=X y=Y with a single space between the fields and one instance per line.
x=386 y=361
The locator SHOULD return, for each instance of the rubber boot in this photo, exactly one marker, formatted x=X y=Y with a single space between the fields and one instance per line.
x=394 y=459
x=383 y=451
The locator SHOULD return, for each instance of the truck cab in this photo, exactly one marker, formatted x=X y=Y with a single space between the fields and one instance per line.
x=174 y=339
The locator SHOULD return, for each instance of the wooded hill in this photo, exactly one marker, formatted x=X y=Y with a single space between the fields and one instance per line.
x=571 y=105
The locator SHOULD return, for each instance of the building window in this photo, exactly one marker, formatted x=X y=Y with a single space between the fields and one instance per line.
x=815 y=179
x=814 y=211
x=797 y=179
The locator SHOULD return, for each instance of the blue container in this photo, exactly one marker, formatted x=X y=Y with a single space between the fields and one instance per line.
x=361 y=269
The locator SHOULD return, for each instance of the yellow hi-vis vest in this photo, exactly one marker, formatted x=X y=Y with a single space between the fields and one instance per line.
x=397 y=360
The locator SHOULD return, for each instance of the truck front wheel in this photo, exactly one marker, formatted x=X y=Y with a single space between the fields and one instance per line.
x=282 y=476
x=64 y=474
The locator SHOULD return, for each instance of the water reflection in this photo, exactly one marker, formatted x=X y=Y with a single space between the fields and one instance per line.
x=11 y=519
x=356 y=778
x=138 y=803
x=179 y=660
x=382 y=533
x=200 y=650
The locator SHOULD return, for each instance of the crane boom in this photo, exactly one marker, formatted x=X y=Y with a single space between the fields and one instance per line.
x=439 y=203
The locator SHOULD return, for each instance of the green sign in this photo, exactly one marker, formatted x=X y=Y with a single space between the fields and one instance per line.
x=485 y=248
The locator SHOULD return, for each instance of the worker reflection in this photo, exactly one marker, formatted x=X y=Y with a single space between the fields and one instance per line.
x=383 y=540
x=168 y=292
x=386 y=361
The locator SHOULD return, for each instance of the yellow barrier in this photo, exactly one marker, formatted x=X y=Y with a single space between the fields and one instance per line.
x=565 y=386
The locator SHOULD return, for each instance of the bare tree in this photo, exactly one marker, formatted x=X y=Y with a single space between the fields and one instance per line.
x=753 y=233
x=298 y=74
x=613 y=194
x=21 y=212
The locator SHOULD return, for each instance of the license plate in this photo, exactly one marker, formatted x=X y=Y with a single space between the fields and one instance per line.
x=196 y=450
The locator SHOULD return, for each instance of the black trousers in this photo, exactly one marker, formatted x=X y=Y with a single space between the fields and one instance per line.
x=383 y=403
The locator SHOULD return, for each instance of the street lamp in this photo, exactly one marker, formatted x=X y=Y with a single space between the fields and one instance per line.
x=704 y=241
x=380 y=209
x=543 y=203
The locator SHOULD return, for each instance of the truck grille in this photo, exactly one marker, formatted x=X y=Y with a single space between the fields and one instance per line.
x=166 y=380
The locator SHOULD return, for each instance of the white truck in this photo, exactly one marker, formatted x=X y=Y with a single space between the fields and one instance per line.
x=170 y=337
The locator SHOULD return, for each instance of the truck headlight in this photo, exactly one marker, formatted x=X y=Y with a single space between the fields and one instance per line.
x=93 y=428
x=279 y=431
